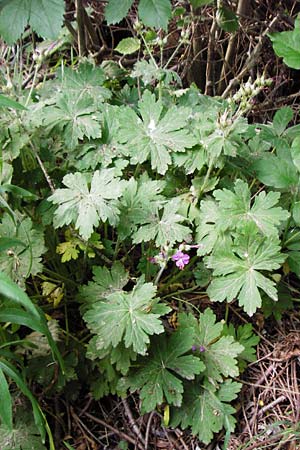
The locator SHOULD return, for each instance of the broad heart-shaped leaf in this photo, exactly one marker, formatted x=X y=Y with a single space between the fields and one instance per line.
x=237 y=267
x=24 y=257
x=236 y=211
x=281 y=119
x=75 y=117
x=156 y=134
x=155 y=13
x=166 y=229
x=85 y=206
x=44 y=16
x=277 y=172
x=160 y=373
x=128 y=317
x=219 y=353
x=287 y=45
x=206 y=409
x=105 y=282
x=128 y=46
x=115 y=10
x=227 y=20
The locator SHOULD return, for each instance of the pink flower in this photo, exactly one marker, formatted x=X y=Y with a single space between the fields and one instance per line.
x=182 y=259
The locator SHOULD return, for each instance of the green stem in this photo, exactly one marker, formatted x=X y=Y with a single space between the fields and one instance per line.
x=291 y=238
x=294 y=198
x=170 y=280
x=187 y=303
x=210 y=167
x=117 y=247
x=172 y=56
x=158 y=276
x=149 y=51
x=37 y=68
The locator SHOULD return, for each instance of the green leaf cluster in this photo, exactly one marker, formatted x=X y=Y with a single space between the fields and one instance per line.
x=197 y=351
x=243 y=239
x=44 y=16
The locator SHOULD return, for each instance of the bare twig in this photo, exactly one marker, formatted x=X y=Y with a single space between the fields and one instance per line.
x=115 y=430
x=242 y=10
x=148 y=429
x=41 y=164
x=271 y=405
x=132 y=422
x=81 y=28
x=84 y=427
x=250 y=60
x=209 y=85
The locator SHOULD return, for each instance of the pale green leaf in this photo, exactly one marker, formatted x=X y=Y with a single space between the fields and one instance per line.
x=115 y=10
x=85 y=206
x=75 y=117
x=226 y=19
x=155 y=13
x=16 y=13
x=164 y=229
x=245 y=335
x=128 y=46
x=295 y=151
x=237 y=212
x=6 y=102
x=286 y=44
x=141 y=199
x=86 y=81
x=126 y=317
x=281 y=119
x=104 y=283
x=277 y=172
x=296 y=213
x=45 y=17
x=237 y=271
x=24 y=258
x=157 y=135
x=147 y=70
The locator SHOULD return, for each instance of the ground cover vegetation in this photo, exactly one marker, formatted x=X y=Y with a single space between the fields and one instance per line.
x=150 y=224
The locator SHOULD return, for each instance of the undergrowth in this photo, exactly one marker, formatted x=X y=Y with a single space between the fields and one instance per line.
x=119 y=195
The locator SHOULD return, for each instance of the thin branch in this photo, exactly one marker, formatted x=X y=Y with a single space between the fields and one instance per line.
x=210 y=67
x=81 y=29
x=242 y=10
x=118 y=432
x=271 y=405
x=132 y=422
x=148 y=429
x=41 y=164
x=250 y=60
